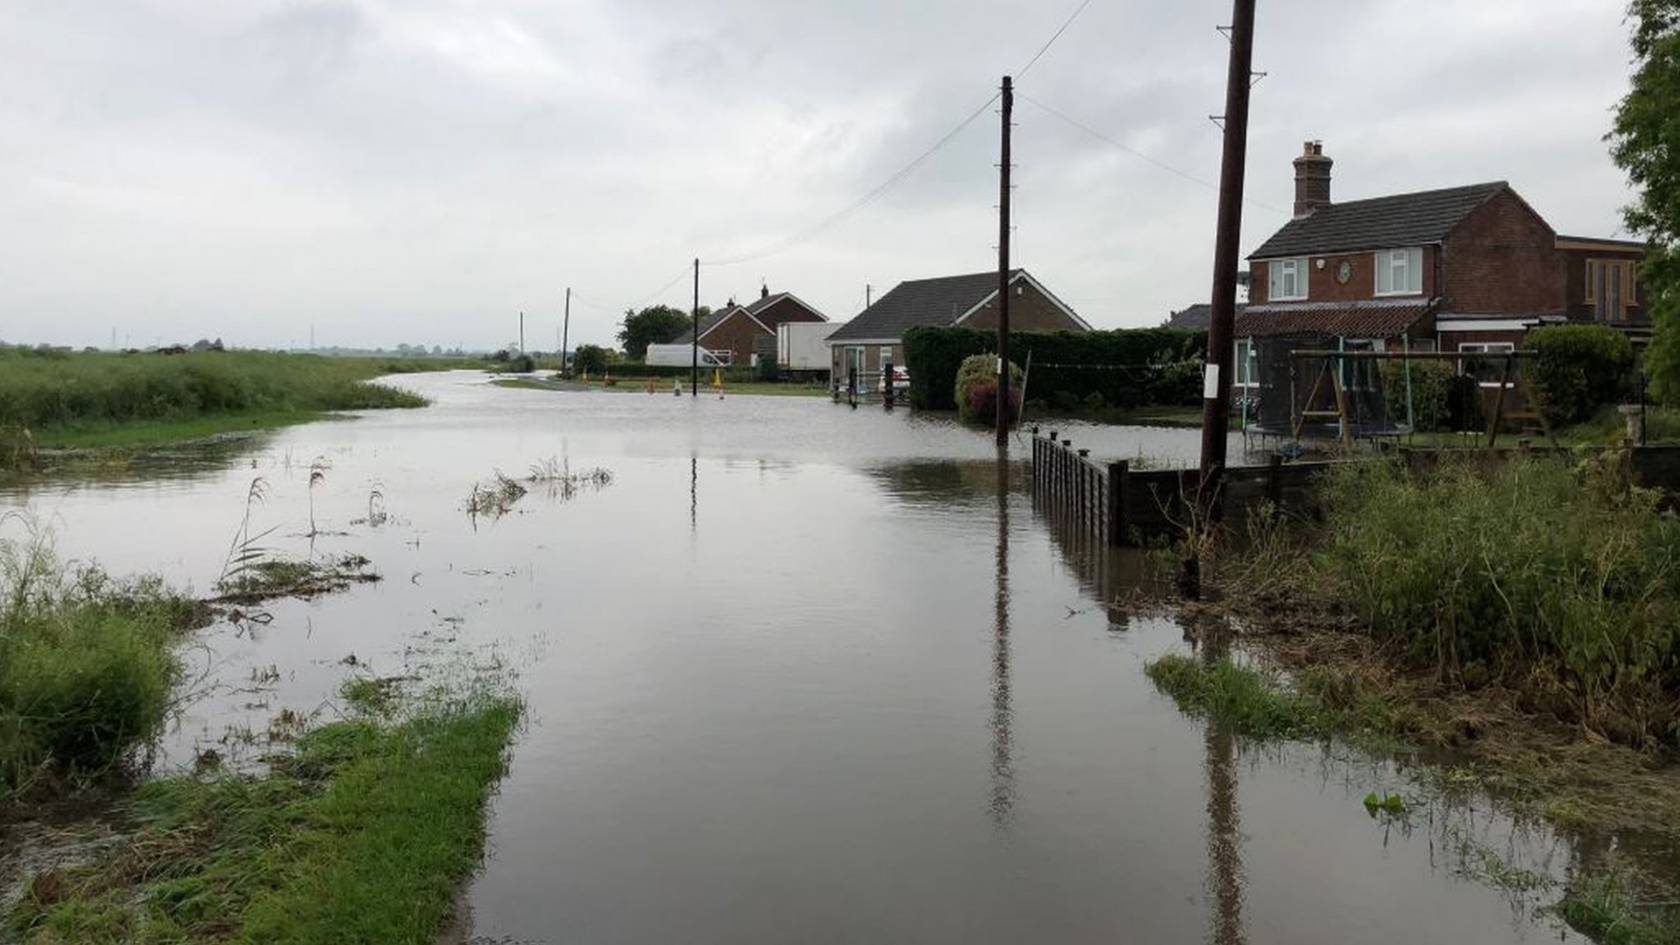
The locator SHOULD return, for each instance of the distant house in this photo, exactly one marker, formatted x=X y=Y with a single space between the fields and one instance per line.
x=748 y=332
x=876 y=335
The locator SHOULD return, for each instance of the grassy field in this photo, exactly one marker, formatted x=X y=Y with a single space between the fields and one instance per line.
x=361 y=836
x=53 y=399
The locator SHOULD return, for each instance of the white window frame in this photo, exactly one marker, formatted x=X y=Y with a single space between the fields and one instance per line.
x=1245 y=358
x=1385 y=261
x=1274 y=278
x=1485 y=347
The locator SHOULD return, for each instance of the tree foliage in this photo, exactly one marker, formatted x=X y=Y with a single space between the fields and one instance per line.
x=654 y=325
x=1646 y=144
x=591 y=359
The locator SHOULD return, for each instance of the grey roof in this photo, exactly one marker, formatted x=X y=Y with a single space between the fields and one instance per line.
x=1382 y=222
x=1195 y=318
x=920 y=302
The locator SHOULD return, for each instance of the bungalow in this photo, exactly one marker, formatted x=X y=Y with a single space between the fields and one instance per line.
x=748 y=332
x=876 y=335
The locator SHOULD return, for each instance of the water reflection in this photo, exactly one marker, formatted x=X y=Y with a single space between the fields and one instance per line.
x=1224 y=837
x=1003 y=767
x=693 y=494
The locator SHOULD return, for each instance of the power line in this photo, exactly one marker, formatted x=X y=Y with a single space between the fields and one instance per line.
x=858 y=204
x=1052 y=40
x=1139 y=154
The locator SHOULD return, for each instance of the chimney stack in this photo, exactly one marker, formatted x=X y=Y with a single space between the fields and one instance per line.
x=764 y=290
x=1312 y=179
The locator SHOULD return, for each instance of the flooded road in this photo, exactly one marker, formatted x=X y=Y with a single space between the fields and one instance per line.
x=797 y=673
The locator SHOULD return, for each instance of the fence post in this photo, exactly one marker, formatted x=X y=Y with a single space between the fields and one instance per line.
x=1117 y=503
x=1085 y=499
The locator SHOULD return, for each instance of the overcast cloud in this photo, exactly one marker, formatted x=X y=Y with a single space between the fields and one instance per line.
x=421 y=170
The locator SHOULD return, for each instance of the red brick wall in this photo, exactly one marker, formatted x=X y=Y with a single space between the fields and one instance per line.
x=787 y=310
x=1502 y=259
x=734 y=334
x=1029 y=310
x=1575 y=282
x=1361 y=285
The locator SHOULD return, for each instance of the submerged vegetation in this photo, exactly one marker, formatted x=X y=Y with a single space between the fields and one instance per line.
x=87 y=666
x=362 y=835
x=497 y=496
x=54 y=399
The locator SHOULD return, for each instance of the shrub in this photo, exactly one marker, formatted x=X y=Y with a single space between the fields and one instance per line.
x=1431 y=392
x=517 y=364
x=1165 y=365
x=1579 y=368
x=976 y=391
x=86 y=665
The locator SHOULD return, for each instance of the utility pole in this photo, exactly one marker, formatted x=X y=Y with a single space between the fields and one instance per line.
x=694 y=352
x=867 y=293
x=521 y=332
x=1216 y=384
x=1003 y=402
x=565 y=334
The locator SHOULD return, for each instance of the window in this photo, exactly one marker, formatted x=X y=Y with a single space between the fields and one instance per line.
x=1400 y=272
x=1487 y=372
x=1247 y=363
x=1287 y=280
x=1610 y=288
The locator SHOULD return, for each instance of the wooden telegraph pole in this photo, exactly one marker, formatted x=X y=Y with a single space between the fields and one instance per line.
x=521 y=332
x=565 y=334
x=1003 y=401
x=1216 y=385
x=694 y=352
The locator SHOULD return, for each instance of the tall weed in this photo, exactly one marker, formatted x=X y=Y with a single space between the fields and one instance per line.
x=1562 y=578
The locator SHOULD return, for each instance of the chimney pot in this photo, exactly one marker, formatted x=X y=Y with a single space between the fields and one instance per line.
x=764 y=290
x=1312 y=179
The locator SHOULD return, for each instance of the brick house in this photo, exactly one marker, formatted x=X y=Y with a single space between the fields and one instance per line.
x=1460 y=269
x=748 y=332
x=876 y=335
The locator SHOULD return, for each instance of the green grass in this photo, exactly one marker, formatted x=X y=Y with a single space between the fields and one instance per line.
x=99 y=399
x=87 y=665
x=1259 y=704
x=362 y=837
x=1603 y=906
x=142 y=434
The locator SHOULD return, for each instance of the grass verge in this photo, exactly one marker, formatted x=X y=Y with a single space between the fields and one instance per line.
x=363 y=835
x=90 y=400
x=1259 y=703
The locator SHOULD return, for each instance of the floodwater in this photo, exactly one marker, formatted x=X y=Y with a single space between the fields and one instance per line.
x=797 y=674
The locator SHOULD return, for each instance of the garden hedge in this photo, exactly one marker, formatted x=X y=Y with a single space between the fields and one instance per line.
x=1127 y=367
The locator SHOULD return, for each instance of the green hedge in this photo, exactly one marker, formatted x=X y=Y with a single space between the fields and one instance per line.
x=1579 y=369
x=1139 y=366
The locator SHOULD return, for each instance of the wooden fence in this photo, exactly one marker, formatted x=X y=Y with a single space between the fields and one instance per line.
x=1118 y=505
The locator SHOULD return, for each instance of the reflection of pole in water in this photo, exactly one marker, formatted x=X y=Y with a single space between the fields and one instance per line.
x=1003 y=766
x=1224 y=839
x=693 y=492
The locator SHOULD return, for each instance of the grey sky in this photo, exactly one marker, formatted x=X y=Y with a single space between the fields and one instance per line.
x=420 y=170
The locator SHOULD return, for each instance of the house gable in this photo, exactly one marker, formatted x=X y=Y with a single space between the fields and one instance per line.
x=1502 y=259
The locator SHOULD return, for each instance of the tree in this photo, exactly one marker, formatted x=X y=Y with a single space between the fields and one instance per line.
x=655 y=325
x=589 y=358
x=1646 y=144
